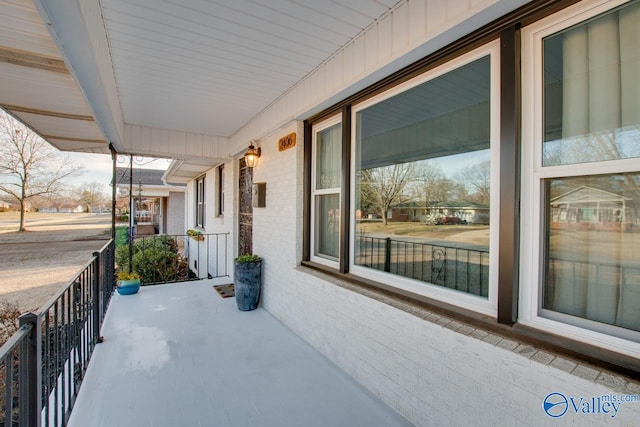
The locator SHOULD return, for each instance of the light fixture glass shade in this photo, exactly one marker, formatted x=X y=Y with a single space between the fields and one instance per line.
x=251 y=156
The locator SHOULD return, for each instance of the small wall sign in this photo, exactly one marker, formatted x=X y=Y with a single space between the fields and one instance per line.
x=287 y=142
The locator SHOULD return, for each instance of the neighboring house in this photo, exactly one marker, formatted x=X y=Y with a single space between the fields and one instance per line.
x=48 y=210
x=66 y=208
x=548 y=90
x=594 y=209
x=71 y=209
x=467 y=212
x=158 y=207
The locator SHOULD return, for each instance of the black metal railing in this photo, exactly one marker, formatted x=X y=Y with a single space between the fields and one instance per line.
x=461 y=268
x=43 y=364
x=176 y=258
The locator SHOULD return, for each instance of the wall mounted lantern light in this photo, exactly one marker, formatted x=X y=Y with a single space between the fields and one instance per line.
x=252 y=155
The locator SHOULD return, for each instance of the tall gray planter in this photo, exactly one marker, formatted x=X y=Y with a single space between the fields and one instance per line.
x=247 y=278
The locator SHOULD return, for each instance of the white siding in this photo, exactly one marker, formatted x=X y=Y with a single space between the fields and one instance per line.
x=172 y=143
x=176 y=213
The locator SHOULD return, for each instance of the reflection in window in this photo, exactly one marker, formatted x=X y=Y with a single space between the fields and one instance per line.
x=328 y=226
x=592 y=90
x=422 y=167
x=328 y=148
x=592 y=244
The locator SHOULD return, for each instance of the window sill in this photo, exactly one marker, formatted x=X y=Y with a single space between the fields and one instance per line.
x=618 y=372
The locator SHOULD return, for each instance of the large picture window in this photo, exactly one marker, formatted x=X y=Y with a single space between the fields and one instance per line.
x=582 y=141
x=327 y=163
x=424 y=181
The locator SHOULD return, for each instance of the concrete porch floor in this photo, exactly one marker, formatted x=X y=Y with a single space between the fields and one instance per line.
x=180 y=355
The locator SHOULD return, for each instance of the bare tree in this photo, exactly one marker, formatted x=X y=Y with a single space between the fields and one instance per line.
x=385 y=186
x=92 y=194
x=434 y=186
x=477 y=179
x=29 y=166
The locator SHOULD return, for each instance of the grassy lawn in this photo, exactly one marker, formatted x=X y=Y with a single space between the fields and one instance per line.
x=416 y=228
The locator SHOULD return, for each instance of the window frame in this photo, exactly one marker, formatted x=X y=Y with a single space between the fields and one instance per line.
x=487 y=306
x=220 y=191
x=534 y=175
x=317 y=128
x=200 y=201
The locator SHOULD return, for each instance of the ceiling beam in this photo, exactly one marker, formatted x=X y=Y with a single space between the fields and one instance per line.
x=19 y=109
x=69 y=139
x=32 y=60
x=83 y=45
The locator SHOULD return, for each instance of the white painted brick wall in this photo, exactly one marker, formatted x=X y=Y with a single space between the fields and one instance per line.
x=429 y=373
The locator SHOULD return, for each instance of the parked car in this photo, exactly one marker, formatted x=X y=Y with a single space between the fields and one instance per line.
x=450 y=220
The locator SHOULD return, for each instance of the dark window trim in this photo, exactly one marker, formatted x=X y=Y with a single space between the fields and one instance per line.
x=345 y=193
x=525 y=15
x=220 y=188
x=306 y=198
x=200 y=222
x=509 y=224
x=507 y=29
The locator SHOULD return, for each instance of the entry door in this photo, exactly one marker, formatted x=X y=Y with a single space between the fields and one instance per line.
x=245 y=233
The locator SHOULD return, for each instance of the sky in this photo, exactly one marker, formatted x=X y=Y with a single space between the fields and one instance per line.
x=98 y=167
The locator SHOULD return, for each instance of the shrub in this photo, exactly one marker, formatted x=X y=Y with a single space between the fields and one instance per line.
x=155 y=259
x=9 y=313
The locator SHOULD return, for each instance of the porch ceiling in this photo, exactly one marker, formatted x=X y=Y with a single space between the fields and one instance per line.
x=209 y=67
x=36 y=85
x=78 y=72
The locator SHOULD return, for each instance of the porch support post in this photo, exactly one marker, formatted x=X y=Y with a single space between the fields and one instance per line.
x=114 y=157
x=30 y=373
x=96 y=283
x=131 y=213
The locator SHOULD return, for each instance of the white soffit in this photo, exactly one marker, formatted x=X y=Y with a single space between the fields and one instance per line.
x=36 y=86
x=210 y=66
x=183 y=171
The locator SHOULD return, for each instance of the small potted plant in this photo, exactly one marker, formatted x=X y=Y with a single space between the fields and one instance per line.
x=196 y=234
x=247 y=278
x=128 y=282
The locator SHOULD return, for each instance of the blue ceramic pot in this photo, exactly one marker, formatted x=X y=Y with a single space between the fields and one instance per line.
x=128 y=287
x=247 y=278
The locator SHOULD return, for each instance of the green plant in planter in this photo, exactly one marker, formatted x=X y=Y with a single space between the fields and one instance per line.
x=125 y=275
x=196 y=234
x=247 y=278
x=247 y=258
x=128 y=282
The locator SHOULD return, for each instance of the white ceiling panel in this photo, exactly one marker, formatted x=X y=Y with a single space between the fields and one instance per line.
x=40 y=89
x=200 y=66
x=72 y=129
x=36 y=86
x=210 y=66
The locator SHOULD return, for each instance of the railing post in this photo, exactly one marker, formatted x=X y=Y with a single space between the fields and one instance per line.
x=30 y=374
x=96 y=298
x=387 y=254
